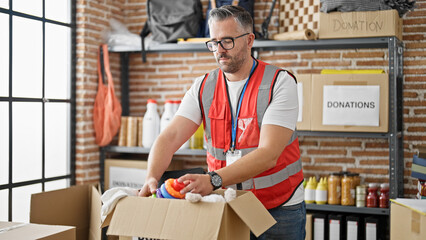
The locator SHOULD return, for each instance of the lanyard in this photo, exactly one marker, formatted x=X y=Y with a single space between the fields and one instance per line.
x=235 y=121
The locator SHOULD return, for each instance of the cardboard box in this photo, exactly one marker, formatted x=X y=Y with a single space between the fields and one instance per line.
x=78 y=206
x=180 y=219
x=379 y=83
x=27 y=231
x=304 y=82
x=360 y=24
x=129 y=173
x=408 y=219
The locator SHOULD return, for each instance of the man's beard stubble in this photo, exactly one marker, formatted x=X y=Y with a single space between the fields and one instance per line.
x=234 y=64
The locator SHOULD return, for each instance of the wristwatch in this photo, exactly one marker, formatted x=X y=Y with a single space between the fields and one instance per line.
x=215 y=180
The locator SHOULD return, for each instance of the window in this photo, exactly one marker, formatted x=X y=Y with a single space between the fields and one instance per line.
x=37 y=105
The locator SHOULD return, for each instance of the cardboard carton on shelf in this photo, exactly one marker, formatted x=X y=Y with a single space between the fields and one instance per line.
x=27 y=231
x=77 y=206
x=130 y=173
x=408 y=219
x=161 y=218
x=360 y=24
x=304 y=85
x=350 y=102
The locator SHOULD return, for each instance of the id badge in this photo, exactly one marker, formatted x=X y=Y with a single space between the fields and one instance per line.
x=231 y=157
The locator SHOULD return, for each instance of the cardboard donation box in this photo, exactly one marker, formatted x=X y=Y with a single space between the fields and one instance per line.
x=129 y=173
x=27 y=231
x=350 y=102
x=162 y=218
x=360 y=24
x=124 y=173
x=304 y=82
x=78 y=206
x=408 y=219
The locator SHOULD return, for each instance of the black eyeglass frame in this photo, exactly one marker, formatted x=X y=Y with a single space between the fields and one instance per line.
x=220 y=42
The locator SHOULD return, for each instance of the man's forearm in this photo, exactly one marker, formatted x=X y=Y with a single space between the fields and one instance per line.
x=273 y=140
x=159 y=157
x=247 y=167
x=167 y=143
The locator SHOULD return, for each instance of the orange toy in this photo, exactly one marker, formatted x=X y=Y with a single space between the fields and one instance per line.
x=169 y=184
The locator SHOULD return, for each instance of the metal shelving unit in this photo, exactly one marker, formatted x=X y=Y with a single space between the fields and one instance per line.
x=394 y=134
x=347 y=209
x=142 y=150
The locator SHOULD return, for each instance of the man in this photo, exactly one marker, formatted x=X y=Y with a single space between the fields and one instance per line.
x=249 y=110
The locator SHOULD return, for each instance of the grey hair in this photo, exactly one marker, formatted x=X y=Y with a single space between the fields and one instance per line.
x=240 y=15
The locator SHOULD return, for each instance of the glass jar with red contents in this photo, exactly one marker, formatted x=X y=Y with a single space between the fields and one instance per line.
x=384 y=195
x=372 y=197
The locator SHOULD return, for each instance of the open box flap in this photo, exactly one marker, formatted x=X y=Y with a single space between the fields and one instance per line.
x=165 y=219
x=252 y=212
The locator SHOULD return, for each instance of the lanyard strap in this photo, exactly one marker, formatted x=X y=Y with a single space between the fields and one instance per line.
x=235 y=121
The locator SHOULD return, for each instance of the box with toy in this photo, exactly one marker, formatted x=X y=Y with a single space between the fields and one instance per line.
x=166 y=218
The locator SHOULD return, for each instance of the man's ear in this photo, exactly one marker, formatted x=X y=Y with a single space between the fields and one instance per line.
x=251 y=38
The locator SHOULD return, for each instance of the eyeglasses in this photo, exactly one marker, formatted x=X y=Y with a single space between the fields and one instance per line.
x=227 y=43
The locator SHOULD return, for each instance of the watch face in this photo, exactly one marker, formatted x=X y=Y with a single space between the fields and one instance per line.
x=217 y=180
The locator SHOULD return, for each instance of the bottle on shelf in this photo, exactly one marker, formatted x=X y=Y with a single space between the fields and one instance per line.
x=384 y=195
x=321 y=191
x=167 y=115
x=372 y=198
x=347 y=190
x=176 y=105
x=196 y=141
x=151 y=124
x=334 y=189
x=310 y=190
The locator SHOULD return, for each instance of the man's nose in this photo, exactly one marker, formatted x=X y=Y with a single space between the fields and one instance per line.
x=220 y=48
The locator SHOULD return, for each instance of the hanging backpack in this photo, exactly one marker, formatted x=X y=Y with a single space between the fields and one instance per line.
x=107 y=108
x=169 y=20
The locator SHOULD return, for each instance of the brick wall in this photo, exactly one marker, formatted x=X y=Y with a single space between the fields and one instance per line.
x=169 y=75
x=92 y=23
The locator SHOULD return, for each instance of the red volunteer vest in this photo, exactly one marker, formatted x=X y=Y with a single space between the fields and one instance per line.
x=275 y=186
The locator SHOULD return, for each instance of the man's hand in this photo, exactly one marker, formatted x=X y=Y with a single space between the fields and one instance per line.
x=196 y=183
x=149 y=187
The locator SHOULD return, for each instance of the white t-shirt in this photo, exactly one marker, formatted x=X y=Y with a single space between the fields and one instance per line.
x=282 y=111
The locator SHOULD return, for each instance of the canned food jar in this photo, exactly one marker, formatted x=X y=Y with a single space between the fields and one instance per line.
x=334 y=189
x=356 y=180
x=372 y=198
x=348 y=193
x=384 y=195
x=360 y=195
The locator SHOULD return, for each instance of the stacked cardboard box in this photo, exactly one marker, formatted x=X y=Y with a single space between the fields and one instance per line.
x=360 y=24
x=25 y=231
x=77 y=206
x=343 y=102
x=130 y=173
x=408 y=219
x=296 y=16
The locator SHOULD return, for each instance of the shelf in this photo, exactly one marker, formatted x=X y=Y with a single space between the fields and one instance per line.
x=375 y=42
x=347 y=209
x=345 y=134
x=141 y=150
